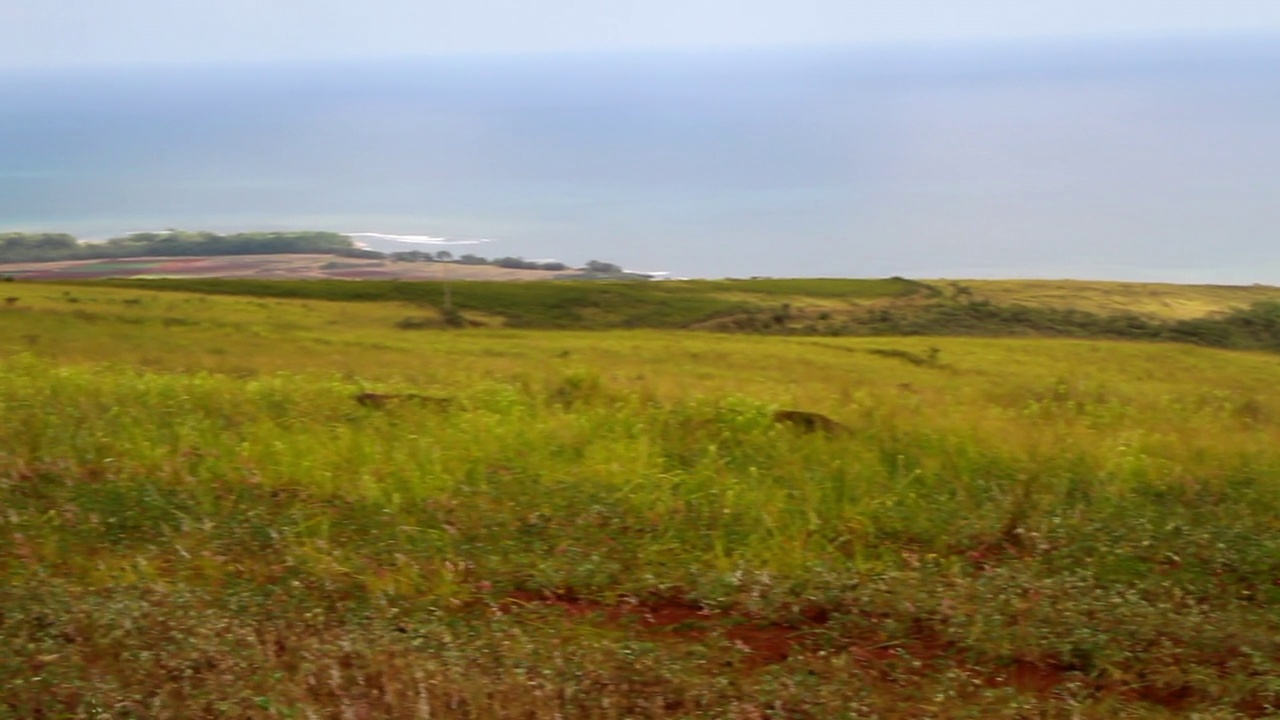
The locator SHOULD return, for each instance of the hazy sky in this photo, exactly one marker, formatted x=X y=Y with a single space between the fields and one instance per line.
x=72 y=32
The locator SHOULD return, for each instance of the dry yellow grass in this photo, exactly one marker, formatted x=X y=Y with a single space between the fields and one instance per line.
x=1166 y=301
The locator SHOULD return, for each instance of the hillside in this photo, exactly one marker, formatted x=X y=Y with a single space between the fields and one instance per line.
x=1240 y=317
x=198 y=520
x=813 y=306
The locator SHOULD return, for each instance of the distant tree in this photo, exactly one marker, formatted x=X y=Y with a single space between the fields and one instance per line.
x=444 y=256
x=34 y=247
x=603 y=268
x=413 y=256
x=518 y=263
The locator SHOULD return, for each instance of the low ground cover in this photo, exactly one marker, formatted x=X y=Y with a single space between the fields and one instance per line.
x=609 y=524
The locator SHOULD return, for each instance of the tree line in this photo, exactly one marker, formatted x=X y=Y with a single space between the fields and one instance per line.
x=593 y=268
x=48 y=247
x=469 y=259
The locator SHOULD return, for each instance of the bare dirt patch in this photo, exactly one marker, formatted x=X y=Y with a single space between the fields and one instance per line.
x=764 y=642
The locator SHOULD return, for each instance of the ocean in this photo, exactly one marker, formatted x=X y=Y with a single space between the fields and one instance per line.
x=1155 y=160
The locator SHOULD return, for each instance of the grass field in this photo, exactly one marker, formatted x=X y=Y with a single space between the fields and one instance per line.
x=196 y=520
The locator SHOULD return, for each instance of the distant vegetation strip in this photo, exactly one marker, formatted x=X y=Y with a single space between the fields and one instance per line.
x=50 y=247
x=872 y=307
x=54 y=247
x=553 y=305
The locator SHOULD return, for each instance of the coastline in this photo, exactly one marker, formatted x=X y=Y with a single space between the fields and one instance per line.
x=279 y=267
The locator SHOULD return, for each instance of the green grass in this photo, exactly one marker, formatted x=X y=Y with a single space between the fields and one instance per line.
x=1234 y=318
x=197 y=521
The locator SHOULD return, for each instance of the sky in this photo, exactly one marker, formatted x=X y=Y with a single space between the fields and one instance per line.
x=37 y=33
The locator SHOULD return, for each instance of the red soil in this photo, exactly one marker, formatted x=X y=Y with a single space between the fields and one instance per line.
x=767 y=642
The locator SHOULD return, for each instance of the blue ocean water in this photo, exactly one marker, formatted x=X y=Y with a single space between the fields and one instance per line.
x=1156 y=161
